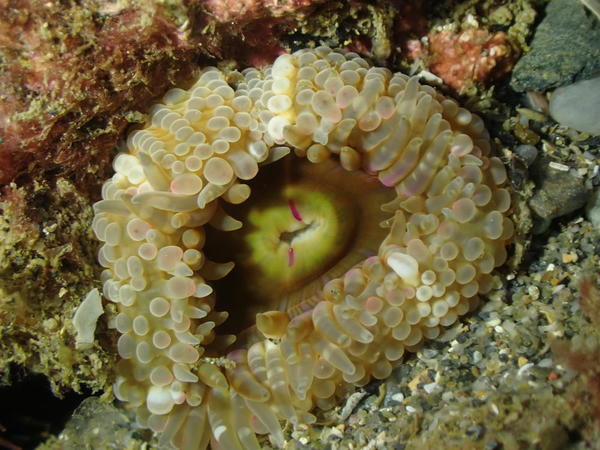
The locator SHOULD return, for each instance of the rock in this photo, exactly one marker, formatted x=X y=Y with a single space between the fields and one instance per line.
x=558 y=193
x=578 y=105
x=564 y=49
x=471 y=55
x=527 y=152
x=592 y=209
x=98 y=424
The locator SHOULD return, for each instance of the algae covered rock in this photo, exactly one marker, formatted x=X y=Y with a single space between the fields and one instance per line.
x=564 y=49
x=46 y=267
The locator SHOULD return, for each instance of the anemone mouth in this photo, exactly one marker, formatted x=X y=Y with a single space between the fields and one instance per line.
x=304 y=225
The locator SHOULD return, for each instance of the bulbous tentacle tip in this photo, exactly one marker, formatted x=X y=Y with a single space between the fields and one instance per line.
x=272 y=324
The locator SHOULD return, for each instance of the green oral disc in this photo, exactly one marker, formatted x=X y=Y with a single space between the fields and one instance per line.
x=299 y=235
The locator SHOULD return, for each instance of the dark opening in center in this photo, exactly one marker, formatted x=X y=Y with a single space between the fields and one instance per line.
x=355 y=202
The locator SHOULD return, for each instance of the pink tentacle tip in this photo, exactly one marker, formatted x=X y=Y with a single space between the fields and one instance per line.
x=294 y=210
x=291 y=257
x=373 y=305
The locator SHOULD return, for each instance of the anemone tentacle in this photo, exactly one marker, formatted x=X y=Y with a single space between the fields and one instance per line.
x=446 y=231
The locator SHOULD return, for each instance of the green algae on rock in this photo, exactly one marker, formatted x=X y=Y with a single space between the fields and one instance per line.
x=564 y=49
x=46 y=266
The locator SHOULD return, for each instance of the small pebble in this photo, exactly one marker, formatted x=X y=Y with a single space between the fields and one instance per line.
x=592 y=209
x=492 y=445
x=398 y=397
x=578 y=105
x=476 y=432
x=431 y=387
x=527 y=152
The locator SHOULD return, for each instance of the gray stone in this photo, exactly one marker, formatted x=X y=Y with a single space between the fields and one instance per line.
x=592 y=208
x=565 y=49
x=578 y=105
x=527 y=152
x=557 y=193
x=98 y=424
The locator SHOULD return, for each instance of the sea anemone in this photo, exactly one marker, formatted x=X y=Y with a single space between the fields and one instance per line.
x=382 y=230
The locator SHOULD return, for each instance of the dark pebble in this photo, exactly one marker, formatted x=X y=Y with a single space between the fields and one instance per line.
x=528 y=153
x=558 y=193
x=564 y=49
x=492 y=445
x=476 y=432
